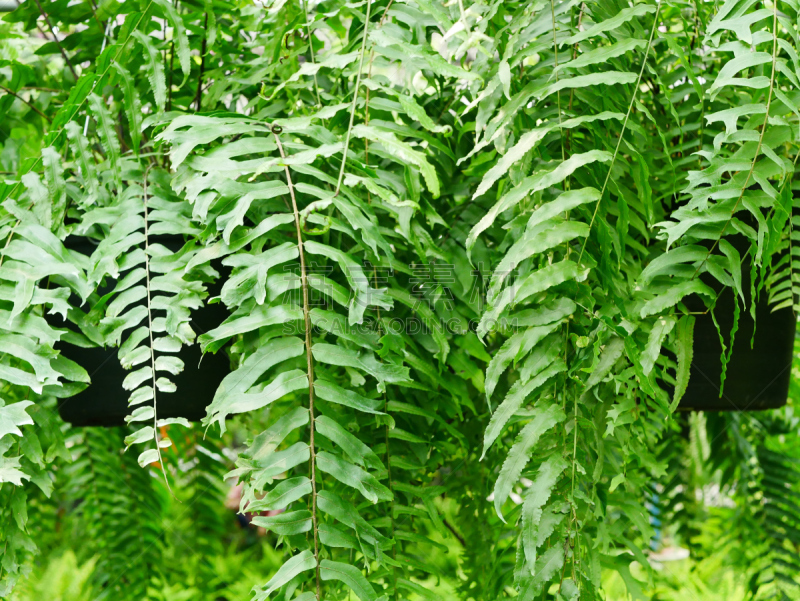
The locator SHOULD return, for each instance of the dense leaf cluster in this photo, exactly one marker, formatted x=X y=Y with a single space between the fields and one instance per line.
x=454 y=241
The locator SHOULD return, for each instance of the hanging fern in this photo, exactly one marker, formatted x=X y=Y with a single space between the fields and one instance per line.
x=457 y=245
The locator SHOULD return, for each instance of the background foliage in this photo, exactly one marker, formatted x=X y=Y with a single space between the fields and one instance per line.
x=454 y=241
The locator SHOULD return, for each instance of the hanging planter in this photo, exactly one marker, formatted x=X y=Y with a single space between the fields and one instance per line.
x=105 y=402
x=756 y=377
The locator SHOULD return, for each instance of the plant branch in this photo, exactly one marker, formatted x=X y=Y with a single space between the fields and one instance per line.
x=309 y=357
x=199 y=97
x=102 y=49
x=355 y=100
x=55 y=38
x=29 y=103
x=621 y=134
x=575 y=54
x=555 y=70
x=150 y=332
x=311 y=52
x=93 y=6
x=572 y=90
x=459 y=538
x=171 y=71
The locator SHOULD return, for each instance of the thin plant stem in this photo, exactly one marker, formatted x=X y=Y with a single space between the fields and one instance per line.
x=622 y=133
x=311 y=52
x=150 y=332
x=572 y=90
x=171 y=72
x=574 y=520
x=574 y=56
x=28 y=102
x=93 y=6
x=55 y=39
x=355 y=100
x=555 y=70
x=199 y=96
x=309 y=358
x=102 y=49
x=388 y=455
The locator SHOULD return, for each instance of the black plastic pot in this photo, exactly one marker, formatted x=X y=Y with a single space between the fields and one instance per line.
x=757 y=378
x=105 y=402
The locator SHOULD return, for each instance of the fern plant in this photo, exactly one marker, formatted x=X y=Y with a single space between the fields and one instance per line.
x=455 y=243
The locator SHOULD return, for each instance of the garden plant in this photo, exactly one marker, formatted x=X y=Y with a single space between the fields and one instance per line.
x=416 y=284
